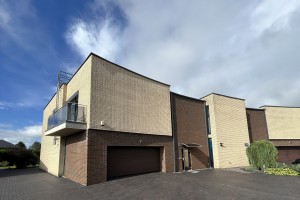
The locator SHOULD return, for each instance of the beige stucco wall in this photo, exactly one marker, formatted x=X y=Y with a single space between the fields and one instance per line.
x=283 y=122
x=50 y=152
x=128 y=102
x=228 y=126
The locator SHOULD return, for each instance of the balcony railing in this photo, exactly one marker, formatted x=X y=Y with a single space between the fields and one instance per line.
x=70 y=112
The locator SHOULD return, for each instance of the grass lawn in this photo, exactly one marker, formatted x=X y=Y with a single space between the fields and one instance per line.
x=8 y=167
x=14 y=167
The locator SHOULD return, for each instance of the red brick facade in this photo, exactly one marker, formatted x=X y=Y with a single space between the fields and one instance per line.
x=257 y=124
x=189 y=126
x=98 y=141
x=76 y=158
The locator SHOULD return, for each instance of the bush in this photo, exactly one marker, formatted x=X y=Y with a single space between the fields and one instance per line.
x=295 y=167
x=262 y=154
x=4 y=163
x=19 y=157
x=282 y=171
x=290 y=166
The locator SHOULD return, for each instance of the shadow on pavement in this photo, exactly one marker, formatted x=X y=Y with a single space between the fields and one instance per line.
x=19 y=172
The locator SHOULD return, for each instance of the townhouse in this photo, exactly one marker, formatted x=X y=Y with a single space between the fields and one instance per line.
x=106 y=121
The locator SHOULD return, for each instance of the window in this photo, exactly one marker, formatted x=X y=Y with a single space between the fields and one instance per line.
x=207 y=119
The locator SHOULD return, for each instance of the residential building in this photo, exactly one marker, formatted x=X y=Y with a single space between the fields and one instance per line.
x=106 y=121
x=109 y=122
x=228 y=130
x=281 y=126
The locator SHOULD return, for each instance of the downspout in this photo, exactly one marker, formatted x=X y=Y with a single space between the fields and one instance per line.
x=65 y=154
x=173 y=131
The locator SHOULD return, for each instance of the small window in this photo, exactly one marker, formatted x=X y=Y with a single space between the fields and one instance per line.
x=55 y=140
x=207 y=119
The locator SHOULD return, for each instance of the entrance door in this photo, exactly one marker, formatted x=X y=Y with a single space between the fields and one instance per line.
x=186 y=159
x=211 y=156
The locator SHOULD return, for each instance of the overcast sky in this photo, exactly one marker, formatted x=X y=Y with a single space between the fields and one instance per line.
x=245 y=49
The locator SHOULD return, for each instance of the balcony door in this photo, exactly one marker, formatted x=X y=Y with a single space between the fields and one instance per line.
x=73 y=109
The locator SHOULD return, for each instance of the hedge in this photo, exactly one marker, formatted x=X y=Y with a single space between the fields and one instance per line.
x=19 y=157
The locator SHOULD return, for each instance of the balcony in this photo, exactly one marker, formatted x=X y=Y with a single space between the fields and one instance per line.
x=69 y=119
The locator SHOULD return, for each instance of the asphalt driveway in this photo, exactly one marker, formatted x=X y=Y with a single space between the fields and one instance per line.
x=206 y=184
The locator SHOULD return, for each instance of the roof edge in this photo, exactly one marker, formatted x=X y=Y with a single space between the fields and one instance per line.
x=93 y=54
x=258 y=109
x=187 y=97
x=53 y=96
x=279 y=106
x=128 y=69
x=222 y=96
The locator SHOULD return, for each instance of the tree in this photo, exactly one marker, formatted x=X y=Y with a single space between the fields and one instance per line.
x=19 y=157
x=36 y=148
x=262 y=154
x=21 y=145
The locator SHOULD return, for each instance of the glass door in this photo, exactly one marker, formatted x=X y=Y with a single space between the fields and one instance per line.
x=186 y=159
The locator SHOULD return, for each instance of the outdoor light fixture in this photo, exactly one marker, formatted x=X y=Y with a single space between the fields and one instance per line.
x=221 y=144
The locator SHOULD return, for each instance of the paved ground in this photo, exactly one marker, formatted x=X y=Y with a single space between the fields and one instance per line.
x=207 y=184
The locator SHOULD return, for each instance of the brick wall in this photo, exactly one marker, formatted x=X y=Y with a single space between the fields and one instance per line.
x=128 y=102
x=287 y=143
x=50 y=151
x=190 y=127
x=81 y=83
x=283 y=122
x=76 y=158
x=257 y=125
x=229 y=127
x=98 y=140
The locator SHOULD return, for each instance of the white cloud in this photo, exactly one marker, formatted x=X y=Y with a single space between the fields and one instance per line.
x=27 y=134
x=247 y=49
x=5 y=125
x=87 y=37
x=17 y=105
x=4 y=15
x=31 y=131
x=273 y=14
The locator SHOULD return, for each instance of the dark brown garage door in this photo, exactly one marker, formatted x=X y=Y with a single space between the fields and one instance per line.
x=288 y=154
x=123 y=161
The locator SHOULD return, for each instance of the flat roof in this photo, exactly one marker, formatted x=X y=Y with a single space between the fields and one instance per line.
x=223 y=96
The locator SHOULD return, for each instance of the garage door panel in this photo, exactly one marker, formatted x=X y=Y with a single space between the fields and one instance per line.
x=288 y=154
x=123 y=161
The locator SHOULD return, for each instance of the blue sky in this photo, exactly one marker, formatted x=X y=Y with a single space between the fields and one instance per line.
x=247 y=49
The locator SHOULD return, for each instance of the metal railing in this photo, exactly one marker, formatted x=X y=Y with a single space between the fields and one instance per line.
x=71 y=112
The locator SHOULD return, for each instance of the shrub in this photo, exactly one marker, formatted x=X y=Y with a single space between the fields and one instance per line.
x=281 y=171
x=3 y=163
x=20 y=157
x=295 y=167
x=262 y=154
